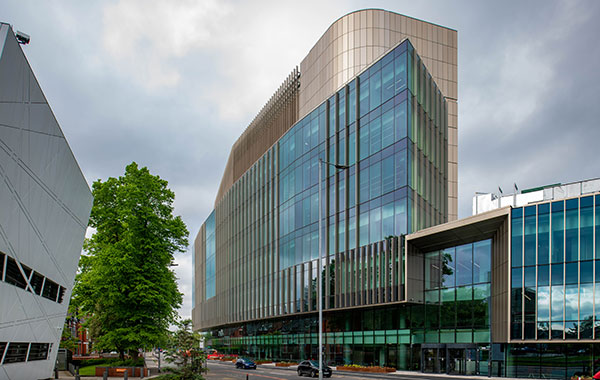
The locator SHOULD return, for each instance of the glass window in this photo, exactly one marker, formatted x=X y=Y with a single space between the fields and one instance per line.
x=557 y=303
x=571 y=273
x=571 y=302
x=597 y=225
x=363 y=91
x=586 y=303
x=448 y=267
x=543 y=228
x=388 y=175
x=543 y=330
x=363 y=184
x=401 y=168
x=342 y=108
x=387 y=128
x=387 y=77
x=543 y=303
x=586 y=232
x=400 y=76
x=517 y=237
x=400 y=120
x=517 y=278
x=482 y=255
x=363 y=140
x=571 y=230
x=363 y=229
x=13 y=274
x=530 y=238
x=375 y=90
x=558 y=231
x=375 y=180
x=464 y=264
x=557 y=330
x=36 y=282
x=375 y=135
x=375 y=225
x=388 y=219
x=400 y=218
x=586 y=271
x=543 y=275
x=557 y=274
x=38 y=351
x=530 y=277
x=16 y=352
x=352 y=102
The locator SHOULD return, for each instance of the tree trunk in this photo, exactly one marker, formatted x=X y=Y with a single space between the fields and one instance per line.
x=134 y=355
x=121 y=354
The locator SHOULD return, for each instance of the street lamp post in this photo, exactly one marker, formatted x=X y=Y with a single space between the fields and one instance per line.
x=319 y=270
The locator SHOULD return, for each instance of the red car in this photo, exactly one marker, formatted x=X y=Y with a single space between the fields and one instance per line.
x=214 y=355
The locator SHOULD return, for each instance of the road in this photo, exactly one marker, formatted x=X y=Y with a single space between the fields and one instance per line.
x=227 y=371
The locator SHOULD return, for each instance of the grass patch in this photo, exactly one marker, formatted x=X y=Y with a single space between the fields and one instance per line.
x=88 y=367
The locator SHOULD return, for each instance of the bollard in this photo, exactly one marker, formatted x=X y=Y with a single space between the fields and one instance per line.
x=55 y=373
x=105 y=374
x=246 y=376
x=141 y=372
x=77 y=373
x=126 y=374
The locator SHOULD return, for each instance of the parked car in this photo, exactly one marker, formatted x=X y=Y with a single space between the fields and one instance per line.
x=311 y=368
x=214 y=355
x=245 y=363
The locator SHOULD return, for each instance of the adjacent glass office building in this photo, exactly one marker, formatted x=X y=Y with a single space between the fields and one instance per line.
x=554 y=291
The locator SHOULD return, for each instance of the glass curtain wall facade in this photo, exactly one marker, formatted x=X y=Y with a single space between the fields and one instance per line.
x=555 y=267
x=457 y=312
x=389 y=125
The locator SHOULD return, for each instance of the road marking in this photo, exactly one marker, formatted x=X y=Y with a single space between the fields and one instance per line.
x=255 y=374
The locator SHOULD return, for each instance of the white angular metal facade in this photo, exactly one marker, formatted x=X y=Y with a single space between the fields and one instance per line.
x=45 y=204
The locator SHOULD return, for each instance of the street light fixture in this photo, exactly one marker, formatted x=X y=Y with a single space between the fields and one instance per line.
x=319 y=275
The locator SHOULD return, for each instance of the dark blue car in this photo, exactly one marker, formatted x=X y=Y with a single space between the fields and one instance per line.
x=245 y=363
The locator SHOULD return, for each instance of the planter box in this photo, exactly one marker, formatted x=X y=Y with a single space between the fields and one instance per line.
x=118 y=371
x=285 y=364
x=367 y=369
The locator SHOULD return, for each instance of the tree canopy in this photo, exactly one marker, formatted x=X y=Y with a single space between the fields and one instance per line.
x=125 y=284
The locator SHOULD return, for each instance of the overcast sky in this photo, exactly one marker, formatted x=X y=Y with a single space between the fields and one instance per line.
x=172 y=84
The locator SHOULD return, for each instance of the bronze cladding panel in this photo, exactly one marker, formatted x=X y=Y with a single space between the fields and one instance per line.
x=500 y=286
x=200 y=271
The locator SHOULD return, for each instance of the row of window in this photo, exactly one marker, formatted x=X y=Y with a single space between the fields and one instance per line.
x=18 y=352
x=335 y=133
x=38 y=283
x=556 y=232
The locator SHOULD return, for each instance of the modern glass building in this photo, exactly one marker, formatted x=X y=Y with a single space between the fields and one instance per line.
x=501 y=293
x=46 y=204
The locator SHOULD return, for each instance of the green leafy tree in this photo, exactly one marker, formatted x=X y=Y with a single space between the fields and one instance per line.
x=67 y=340
x=186 y=354
x=125 y=284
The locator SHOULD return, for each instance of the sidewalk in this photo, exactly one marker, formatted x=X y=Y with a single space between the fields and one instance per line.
x=66 y=375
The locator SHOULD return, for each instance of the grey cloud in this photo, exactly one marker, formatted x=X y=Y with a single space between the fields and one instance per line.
x=184 y=132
